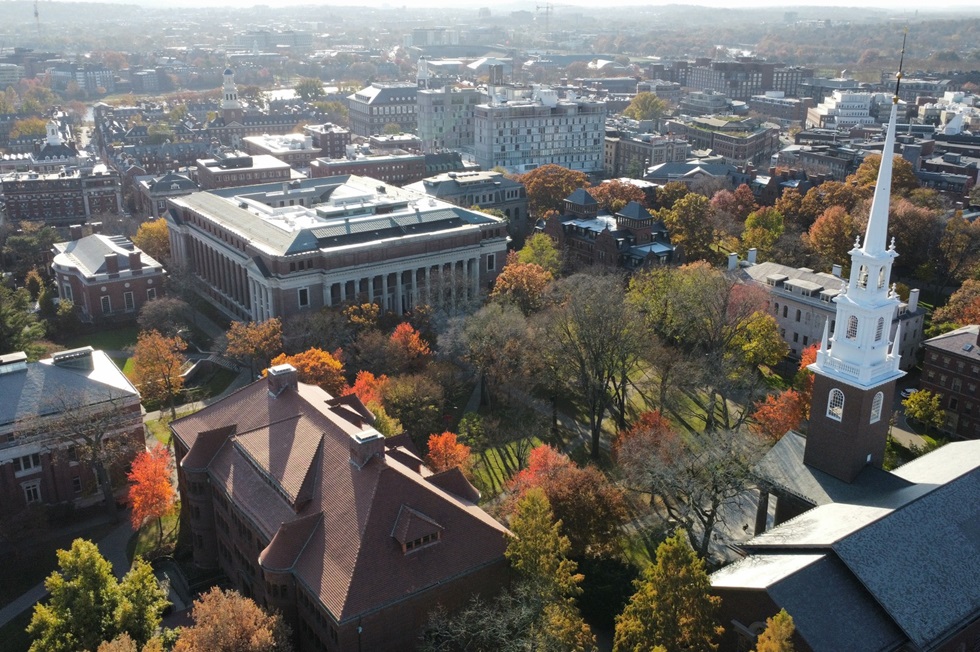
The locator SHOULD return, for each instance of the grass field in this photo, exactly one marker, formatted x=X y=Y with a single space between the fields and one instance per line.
x=146 y=543
x=116 y=339
x=495 y=466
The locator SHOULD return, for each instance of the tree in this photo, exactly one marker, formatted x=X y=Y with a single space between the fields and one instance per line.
x=692 y=478
x=917 y=232
x=317 y=367
x=803 y=380
x=523 y=284
x=19 y=326
x=778 y=634
x=167 y=315
x=963 y=307
x=88 y=605
x=157 y=364
x=548 y=186
x=904 y=180
x=416 y=401
x=763 y=228
x=738 y=204
x=645 y=106
x=832 y=235
x=540 y=249
x=406 y=350
x=672 y=606
x=445 y=453
x=613 y=195
x=151 y=491
x=29 y=128
x=590 y=508
x=309 y=89
x=153 y=237
x=369 y=388
x=125 y=643
x=778 y=414
x=925 y=407
x=255 y=342
x=669 y=193
x=958 y=251
x=225 y=621
x=597 y=341
x=689 y=225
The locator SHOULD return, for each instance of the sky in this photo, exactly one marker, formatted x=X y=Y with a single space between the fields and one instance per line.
x=899 y=6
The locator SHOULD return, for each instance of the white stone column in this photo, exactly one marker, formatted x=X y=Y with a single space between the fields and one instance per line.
x=400 y=278
x=384 y=292
x=343 y=291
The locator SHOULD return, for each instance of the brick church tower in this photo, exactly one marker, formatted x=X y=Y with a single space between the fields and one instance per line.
x=857 y=366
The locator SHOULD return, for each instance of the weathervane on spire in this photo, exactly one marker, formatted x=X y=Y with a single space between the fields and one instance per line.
x=901 y=64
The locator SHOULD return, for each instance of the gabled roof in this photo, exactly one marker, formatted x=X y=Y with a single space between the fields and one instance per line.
x=343 y=543
x=88 y=254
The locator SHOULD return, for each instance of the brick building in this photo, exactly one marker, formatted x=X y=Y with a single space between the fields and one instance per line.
x=61 y=198
x=108 y=278
x=951 y=368
x=38 y=462
x=310 y=511
x=276 y=250
x=330 y=138
x=737 y=141
x=397 y=168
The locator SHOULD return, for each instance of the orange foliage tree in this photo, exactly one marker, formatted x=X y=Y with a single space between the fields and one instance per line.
x=225 y=621
x=548 y=185
x=522 y=284
x=255 y=342
x=590 y=507
x=652 y=431
x=406 y=349
x=803 y=381
x=832 y=234
x=445 y=452
x=151 y=491
x=778 y=414
x=963 y=306
x=369 y=388
x=317 y=367
x=614 y=195
x=157 y=362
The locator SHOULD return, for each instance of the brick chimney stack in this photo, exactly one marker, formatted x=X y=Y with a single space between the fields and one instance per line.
x=76 y=231
x=364 y=445
x=135 y=264
x=111 y=263
x=280 y=377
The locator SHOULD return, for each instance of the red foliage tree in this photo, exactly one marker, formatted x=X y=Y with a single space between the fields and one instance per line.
x=804 y=378
x=151 y=492
x=652 y=431
x=369 y=388
x=445 y=452
x=406 y=349
x=778 y=414
x=522 y=284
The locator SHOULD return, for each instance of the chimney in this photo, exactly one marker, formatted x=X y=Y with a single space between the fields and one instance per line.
x=913 y=303
x=732 y=261
x=11 y=362
x=837 y=270
x=753 y=252
x=364 y=445
x=135 y=264
x=280 y=377
x=111 y=263
x=76 y=231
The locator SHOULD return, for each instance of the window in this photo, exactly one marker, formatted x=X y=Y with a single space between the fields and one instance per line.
x=953 y=403
x=835 y=405
x=27 y=463
x=128 y=299
x=304 y=297
x=852 y=327
x=151 y=294
x=863 y=277
x=881 y=278
x=491 y=262
x=422 y=541
x=32 y=492
x=876 y=407
x=67 y=290
x=76 y=484
x=785 y=311
x=880 y=329
x=106 y=305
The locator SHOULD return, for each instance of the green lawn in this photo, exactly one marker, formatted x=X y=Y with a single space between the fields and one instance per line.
x=160 y=430
x=495 y=466
x=115 y=339
x=146 y=543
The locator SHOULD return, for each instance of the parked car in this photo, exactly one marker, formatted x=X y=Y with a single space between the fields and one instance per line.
x=908 y=391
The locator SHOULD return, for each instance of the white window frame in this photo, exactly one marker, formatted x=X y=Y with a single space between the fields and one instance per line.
x=32 y=491
x=299 y=297
x=66 y=288
x=835 y=405
x=106 y=302
x=876 y=404
x=128 y=301
x=491 y=262
x=151 y=294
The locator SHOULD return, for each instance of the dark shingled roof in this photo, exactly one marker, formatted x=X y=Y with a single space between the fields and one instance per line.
x=581 y=197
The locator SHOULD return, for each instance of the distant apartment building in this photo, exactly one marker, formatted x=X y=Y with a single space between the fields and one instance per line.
x=330 y=138
x=10 y=74
x=738 y=141
x=265 y=40
x=90 y=78
x=745 y=77
x=231 y=169
x=397 y=168
x=841 y=110
x=819 y=88
x=525 y=133
x=61 y=198
x=667 y=91
x=278 y=250
x=776 y=106
x=632 y=154
x=705 y=103
x=374 y=107
x=297 y=150
x=486 y=189
x=446 y=117
x=951 y=369
x=108 y=278
x=802 y=301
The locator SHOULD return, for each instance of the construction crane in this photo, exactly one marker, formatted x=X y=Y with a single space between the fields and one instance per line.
x=37 y=19
x=548 y=8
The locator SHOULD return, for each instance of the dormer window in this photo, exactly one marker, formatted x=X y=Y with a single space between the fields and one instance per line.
x=420 y=542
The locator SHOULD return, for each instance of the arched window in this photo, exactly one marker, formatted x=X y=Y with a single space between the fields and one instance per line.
x=879 y=331
x=881 y=278
x=876 y=407
x=798 y=315
x=852 y=328
x=835 y=405
x=863 y=277
x=777 y=309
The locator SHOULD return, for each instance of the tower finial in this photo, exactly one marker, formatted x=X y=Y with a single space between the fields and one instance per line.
x=901 y=64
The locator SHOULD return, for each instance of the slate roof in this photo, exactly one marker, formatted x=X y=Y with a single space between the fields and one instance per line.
x=958 y=342
x=37 y=390
x=912 y=548
x=343 y=543
x=581 y=197
x=88 y=254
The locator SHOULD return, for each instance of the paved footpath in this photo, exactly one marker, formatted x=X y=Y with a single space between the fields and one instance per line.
x=112 y=547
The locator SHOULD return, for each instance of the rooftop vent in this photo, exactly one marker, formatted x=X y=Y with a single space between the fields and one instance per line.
x=12 y=362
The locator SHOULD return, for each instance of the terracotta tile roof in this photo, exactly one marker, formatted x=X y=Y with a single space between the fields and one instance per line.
x=339 y=541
